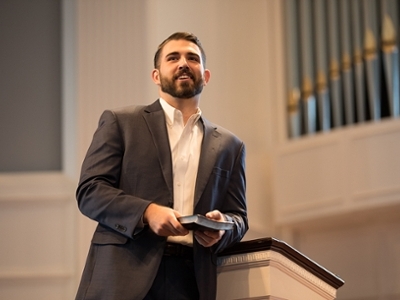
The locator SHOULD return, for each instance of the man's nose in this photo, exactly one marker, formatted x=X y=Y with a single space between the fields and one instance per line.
x=183 y=63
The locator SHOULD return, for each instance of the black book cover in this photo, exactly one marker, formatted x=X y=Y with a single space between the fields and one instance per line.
x=199 y=222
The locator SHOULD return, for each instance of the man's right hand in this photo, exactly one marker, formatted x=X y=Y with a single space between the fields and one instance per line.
x=163 y=221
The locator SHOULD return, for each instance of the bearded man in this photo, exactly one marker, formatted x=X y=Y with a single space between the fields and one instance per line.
x=146 y=167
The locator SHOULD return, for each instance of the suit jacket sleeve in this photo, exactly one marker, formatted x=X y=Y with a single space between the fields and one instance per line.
x=234 y=205
x=98 y=194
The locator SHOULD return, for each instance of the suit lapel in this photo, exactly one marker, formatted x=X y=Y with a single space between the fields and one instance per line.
x=208 y=156
x=155 y=119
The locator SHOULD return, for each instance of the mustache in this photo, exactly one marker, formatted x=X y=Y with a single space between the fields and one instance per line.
x=184 y=72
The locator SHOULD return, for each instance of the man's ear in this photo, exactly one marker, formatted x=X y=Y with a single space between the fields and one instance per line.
x=206 y=76
x=155 y=75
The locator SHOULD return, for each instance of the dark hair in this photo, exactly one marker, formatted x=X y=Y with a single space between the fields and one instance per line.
x=179 y=36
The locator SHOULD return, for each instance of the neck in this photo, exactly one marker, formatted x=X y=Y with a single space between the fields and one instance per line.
x=188 y=107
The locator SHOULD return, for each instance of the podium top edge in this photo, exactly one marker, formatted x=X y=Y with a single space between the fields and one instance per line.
x=273 y=244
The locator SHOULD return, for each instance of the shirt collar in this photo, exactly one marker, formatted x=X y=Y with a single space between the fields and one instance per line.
x=170 y=112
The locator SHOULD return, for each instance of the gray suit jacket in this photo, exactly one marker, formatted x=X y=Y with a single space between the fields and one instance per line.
x=128 y=166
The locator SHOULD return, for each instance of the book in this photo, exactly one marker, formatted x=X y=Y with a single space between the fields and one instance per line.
x=199 y=222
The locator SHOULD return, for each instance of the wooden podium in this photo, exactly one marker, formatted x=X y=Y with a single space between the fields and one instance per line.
x=271 y=269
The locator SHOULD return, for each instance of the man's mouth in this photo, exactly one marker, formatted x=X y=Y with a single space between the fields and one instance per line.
x=184 y=76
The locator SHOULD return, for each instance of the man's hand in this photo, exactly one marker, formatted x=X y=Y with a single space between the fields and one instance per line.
x=209 y=238
x=163 y=221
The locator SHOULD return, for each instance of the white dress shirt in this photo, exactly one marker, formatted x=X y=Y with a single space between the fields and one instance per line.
x=185 y=142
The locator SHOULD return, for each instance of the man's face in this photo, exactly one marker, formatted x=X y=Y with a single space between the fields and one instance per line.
x=181 y=73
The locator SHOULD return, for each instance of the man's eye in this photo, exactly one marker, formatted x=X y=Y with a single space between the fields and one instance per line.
x=171 y=58
x=195 y=58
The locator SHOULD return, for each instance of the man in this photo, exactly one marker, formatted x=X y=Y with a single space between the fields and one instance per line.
x=149 y=165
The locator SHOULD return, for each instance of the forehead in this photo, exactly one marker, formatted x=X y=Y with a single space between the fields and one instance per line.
x=180 y=46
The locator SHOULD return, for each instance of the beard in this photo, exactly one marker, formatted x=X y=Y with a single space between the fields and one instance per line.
x=182 y=90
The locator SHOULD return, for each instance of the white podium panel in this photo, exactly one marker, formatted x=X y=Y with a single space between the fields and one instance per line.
x=271 y=269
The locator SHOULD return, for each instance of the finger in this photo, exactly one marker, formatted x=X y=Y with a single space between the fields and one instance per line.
x=201 y=235
x=215 y=215
x=205 y=239
x=200 y=239
x=212 y=214
x=211 y=234
x=178 y=228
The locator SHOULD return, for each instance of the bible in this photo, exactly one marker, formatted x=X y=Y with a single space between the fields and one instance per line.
x=199 y=222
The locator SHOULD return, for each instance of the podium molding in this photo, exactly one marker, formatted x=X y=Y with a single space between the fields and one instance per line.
x=268 y=268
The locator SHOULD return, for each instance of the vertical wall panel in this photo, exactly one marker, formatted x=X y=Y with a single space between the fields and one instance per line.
x=37 y=215
x=30 y=80
x=112 y=69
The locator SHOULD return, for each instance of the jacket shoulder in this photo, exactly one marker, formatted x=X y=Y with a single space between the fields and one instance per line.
x=128 y=114
x=137 y=109
x=128 y=110
x=224 y=133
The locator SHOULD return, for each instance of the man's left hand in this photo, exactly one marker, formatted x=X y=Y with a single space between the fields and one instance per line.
x=209 y=238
